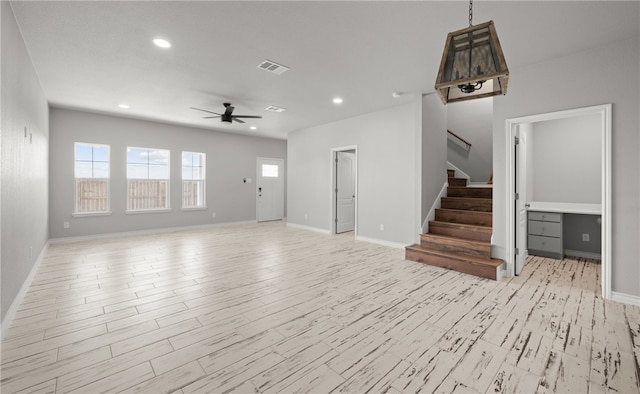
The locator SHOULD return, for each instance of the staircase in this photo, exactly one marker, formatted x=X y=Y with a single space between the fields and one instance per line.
x=460 y=236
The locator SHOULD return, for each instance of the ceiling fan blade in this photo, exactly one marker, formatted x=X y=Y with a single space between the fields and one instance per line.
x=237 y=120
x=205 y=110
x=248 y=116
x=211 y=117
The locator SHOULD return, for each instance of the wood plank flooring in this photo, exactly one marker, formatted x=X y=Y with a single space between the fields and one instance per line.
x=264 y=308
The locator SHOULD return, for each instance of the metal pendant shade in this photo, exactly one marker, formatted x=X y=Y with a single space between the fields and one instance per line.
x=472 y=65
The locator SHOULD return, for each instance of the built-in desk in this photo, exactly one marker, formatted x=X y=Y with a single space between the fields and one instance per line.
x=565 y=207
x=545 y=233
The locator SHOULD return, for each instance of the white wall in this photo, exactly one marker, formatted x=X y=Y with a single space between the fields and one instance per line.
x=608 y=74
x=387 y=170
x=434 y=155
x=567 y=159
x=24 y=184
x=473 y=121
x=229 y=159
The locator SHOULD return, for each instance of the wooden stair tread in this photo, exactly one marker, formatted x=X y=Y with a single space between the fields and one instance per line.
x=469 y=198
x=491 y=262
x=470 y=192
x=466 y=211
x=472 y=187
x=449 y=238
x=472 y=204
x=461 y=225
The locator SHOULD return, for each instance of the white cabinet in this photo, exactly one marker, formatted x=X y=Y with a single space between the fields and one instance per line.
x=544 y=234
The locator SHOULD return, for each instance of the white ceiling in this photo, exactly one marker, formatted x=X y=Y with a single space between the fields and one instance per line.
x=96 y=55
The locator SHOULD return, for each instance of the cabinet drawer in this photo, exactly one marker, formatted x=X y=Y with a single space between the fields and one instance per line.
x=546 y=244
x=549 y=229
x=545 y=216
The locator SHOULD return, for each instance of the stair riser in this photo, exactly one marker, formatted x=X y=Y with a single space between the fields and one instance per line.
x=473 y=192
x=458 y=265
x=474 y=234
x=466 y=217
x=457 y=182
x=470 y=204
x=456 y=246
x=451 y=173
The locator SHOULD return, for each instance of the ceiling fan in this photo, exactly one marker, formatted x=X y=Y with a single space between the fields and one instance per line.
x=227 y=116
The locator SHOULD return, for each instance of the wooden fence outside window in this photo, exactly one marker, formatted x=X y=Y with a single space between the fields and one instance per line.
x=147 y=194
x=92 y=195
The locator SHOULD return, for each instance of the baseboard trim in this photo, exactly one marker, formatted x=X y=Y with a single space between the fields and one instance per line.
x=431 y=215
x=391 y=244
x=625 y=298
x=308 y=228
x=11 y=312
x=146 y=232
x=586 y=255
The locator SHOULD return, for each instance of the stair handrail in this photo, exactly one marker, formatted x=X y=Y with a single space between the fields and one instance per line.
x=467 y=143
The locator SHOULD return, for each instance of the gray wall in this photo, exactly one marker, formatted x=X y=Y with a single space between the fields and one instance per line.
x=230 y=158
x=559 y=84
x=433 y=156
x=473 y=121
x=24 y=183
x=566 y=160
x=574 y=225
x=388 y=187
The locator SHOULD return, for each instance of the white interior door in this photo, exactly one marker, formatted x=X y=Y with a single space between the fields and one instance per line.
x=345 y=192
x=520 y=150
x=270 y=189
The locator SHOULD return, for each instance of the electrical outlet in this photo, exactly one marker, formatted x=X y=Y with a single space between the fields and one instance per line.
x=65 y=224
x=306 y=216
x=30 y=252
x=585 y=237
x=382 y=227
x=213 y=214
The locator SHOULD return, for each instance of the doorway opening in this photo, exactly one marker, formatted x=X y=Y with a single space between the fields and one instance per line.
x=519 y=177
x=344 y=190
x=269 y=189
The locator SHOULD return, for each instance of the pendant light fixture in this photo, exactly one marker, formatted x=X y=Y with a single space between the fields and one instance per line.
x=473 y=64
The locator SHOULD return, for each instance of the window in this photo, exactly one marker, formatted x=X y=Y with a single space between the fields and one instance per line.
x=193 y=165
x=147 y=179
x=269 y=170
x=92 y=178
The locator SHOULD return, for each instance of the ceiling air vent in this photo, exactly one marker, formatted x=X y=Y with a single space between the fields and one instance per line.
x=273 y=108
x=273 y=67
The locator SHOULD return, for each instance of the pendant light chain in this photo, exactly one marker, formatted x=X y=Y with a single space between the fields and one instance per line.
x=470 y=13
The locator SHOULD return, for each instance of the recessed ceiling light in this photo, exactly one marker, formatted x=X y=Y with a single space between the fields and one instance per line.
x=123 y=106
x=162 y=43
x=396 y=94
x=253 y=128
x=337 y=100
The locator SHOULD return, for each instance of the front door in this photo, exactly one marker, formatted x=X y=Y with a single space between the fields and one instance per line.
x=270 y=189
x=345 y=192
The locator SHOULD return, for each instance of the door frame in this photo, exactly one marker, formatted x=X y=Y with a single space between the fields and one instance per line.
x=604 y=111
x=256 y=185
x=332 y=186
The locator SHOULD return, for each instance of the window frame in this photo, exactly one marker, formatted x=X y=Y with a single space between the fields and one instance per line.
x=203 y=179
x=107 y=211
x=167 y=207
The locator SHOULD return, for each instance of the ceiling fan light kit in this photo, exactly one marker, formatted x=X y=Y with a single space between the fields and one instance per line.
x=473 y=65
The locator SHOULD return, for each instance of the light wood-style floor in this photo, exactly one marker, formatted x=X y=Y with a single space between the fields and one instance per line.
x=266 y=308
